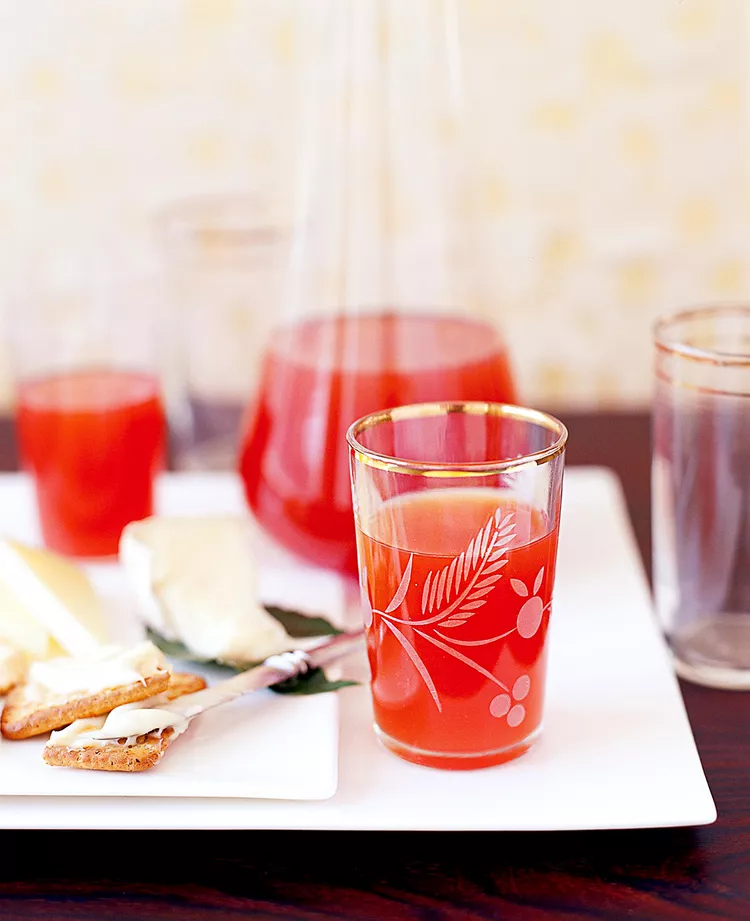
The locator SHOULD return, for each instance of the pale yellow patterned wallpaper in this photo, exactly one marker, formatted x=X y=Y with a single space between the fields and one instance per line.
x=610 y=142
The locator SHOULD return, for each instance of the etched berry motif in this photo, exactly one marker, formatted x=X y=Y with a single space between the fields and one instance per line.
x=508 y=705
x=530 y=616
x=452 y=596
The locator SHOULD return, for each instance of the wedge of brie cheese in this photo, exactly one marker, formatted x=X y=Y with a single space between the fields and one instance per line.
x=195 y=579
x=48 y=607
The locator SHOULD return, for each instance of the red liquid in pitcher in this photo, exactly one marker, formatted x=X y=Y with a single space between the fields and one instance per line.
x=93 y=441
x=458 y=587
x=320 y=376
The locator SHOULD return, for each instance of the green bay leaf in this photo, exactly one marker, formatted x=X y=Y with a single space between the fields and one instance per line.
x=296 y=624
x=313 y=681
x=301 y=625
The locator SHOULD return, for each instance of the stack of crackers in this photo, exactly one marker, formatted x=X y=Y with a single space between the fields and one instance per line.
x=31 y=709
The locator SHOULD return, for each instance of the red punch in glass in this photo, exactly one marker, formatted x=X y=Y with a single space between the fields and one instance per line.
x=90 y=417
x=457 y=507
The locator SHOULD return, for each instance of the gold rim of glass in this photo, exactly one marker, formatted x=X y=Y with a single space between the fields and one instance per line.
x=675 y=346
x=474 y=408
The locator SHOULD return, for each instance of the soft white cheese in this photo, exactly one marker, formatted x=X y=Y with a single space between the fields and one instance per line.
x=13 y=667
x=133 y=720
x=195 y=579
x=108 y=667
x=78 y=733
x=47 y=605
x=128 y=721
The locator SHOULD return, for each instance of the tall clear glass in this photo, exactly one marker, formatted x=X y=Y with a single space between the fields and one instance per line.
x=384 y=303
x=701 y=491
x=457 y=508
x=223 y=257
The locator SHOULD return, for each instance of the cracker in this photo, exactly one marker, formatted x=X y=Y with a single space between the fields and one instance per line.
x=118 y=756
x=112 y=756
x=25 y=715
x=183 y=683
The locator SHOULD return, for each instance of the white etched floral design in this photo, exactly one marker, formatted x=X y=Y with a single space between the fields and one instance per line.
x=452 y=596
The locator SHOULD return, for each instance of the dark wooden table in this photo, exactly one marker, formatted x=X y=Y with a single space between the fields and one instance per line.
x=664 y=874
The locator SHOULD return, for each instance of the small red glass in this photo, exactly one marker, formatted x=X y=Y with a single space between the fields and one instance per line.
x=457 y=508
x=90 y=415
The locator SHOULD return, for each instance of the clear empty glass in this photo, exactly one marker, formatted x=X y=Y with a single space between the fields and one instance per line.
x=701 y=492
x=224 y=257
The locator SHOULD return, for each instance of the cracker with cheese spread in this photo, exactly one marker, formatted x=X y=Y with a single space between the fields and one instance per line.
x=58 y=691
x=74 y=746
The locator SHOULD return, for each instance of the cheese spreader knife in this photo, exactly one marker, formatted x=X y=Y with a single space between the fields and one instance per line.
x=126 y=721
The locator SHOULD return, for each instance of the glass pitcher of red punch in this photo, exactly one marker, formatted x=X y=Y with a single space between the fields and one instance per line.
x=384 y=303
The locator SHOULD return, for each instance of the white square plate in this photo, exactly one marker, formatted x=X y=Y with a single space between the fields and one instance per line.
x=617 y=749
x=244 y=749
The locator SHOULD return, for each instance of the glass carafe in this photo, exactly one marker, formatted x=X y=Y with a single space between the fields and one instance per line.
x=384 y=302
